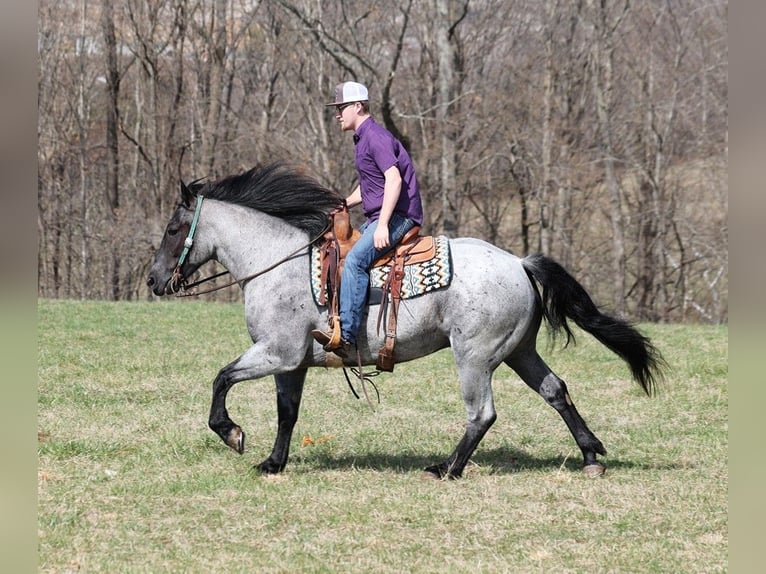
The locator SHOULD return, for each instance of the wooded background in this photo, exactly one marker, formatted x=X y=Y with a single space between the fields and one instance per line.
x=593 y=131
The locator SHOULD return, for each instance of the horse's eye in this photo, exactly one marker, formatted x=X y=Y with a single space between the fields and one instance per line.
x=172 y=232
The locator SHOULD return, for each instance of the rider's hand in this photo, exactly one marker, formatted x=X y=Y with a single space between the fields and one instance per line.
x=380 y=237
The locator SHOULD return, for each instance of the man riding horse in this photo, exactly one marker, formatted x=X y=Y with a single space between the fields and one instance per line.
x=390 y=197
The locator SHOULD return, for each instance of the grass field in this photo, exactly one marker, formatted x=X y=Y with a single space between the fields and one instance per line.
x=130 y=479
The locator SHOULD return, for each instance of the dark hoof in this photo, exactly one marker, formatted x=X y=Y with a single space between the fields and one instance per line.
x=438 y=472
x=268 y=466
x=594 y=470
x=236 y=440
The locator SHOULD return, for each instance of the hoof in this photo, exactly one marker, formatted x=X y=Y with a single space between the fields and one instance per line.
x=594 y=470
x=269 y=467
x=437 y=472
x=434 y=472
x=236 y=440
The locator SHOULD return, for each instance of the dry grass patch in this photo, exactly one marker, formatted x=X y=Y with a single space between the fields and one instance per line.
x=130 y=479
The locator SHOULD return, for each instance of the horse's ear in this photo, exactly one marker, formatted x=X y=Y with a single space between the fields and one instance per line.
x=186 y=195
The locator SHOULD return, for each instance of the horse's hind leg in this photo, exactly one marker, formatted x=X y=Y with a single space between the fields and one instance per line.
x=289 y=392
x=535 y=373
x=476 y=388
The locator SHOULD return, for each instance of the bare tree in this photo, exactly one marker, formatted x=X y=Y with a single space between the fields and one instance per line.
x=605 y=27
x=554 y=126
x=449 y=74
x=112 y=144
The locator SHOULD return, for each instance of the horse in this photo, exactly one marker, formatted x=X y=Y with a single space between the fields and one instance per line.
x=260 y=225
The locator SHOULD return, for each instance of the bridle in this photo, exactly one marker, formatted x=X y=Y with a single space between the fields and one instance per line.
x=185 y=289
x=177 y=278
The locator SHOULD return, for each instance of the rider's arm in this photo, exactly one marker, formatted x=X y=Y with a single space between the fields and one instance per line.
x=355 y=198
x=391 y=193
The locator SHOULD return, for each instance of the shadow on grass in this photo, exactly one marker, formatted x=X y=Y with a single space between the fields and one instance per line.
x=501 y=460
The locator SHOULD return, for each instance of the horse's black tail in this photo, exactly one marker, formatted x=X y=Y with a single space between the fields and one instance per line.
x=563 y=297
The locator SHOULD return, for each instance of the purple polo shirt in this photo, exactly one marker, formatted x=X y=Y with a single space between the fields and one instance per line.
x=376 y=151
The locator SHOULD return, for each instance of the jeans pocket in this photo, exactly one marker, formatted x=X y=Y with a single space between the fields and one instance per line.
x=399 y=226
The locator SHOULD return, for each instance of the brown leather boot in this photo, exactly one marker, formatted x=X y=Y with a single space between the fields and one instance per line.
x=343 y=349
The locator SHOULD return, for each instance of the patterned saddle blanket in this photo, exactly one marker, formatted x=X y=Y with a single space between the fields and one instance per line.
x=419 y=277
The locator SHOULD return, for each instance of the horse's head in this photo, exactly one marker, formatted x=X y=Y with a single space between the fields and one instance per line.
x=168 y=271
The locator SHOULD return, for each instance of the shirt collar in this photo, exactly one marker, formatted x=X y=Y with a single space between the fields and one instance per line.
x=362 y=128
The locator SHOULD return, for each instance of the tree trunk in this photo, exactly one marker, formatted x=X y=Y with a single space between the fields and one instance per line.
x=83 y=112
x=603 y=88
x=216 y=60
x=446 y=90
x=112 y=144
x=545 y=195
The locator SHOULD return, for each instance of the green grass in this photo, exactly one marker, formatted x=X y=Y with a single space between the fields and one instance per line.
x=130 y=478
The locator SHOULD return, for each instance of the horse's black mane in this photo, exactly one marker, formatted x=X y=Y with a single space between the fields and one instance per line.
x=277 y=189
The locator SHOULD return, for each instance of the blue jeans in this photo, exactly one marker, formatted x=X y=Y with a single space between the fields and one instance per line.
x=356 y=271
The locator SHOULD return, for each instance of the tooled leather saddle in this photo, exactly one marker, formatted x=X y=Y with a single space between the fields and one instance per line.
x=413 y=248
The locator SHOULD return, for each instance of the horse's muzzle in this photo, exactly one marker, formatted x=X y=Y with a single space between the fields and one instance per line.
x=161 y=288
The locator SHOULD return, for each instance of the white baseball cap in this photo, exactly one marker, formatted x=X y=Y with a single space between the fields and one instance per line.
x=349 y=92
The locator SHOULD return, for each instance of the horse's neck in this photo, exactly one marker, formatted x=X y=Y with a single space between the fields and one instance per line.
x=246 y=241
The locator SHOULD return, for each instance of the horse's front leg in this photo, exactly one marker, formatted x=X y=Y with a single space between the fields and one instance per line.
x=254 y=363
x=219 y=420
x=289 y=393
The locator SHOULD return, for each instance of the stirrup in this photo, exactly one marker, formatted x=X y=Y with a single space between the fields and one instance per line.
x=330 y=340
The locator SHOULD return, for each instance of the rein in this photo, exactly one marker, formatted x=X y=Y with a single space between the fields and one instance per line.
x=185 y=289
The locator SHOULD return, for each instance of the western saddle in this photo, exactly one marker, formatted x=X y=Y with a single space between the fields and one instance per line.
x=337 y=242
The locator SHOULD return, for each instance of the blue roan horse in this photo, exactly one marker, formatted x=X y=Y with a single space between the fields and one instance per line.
x=490 y=313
